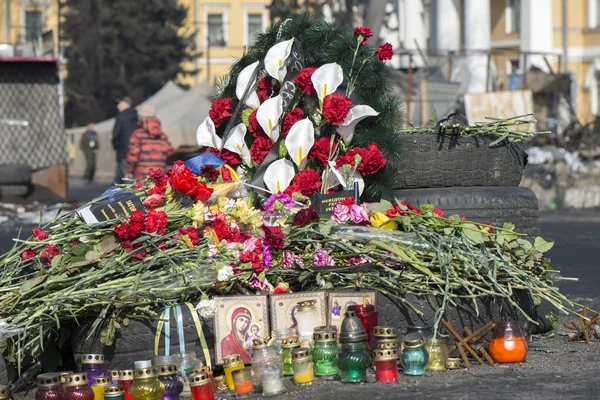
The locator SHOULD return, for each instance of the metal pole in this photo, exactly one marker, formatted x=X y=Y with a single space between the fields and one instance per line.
x=565 y=32
x=207 y=58
x=409 y=89
x=8 y=21
x=196 y=33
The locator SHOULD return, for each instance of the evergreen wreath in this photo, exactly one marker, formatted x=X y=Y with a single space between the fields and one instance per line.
x=366 y=82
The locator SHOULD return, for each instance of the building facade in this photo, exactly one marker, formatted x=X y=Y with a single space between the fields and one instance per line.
x=25 y=21
x=223 y=28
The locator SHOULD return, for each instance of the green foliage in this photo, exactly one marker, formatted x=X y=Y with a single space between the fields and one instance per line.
x=119 y=48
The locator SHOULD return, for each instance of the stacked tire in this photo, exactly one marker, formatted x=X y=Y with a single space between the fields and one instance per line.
x=467 y=176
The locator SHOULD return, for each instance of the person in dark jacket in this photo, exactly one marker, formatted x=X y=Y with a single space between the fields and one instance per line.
x=125 y=123
x=149 y=146
x=89 y=146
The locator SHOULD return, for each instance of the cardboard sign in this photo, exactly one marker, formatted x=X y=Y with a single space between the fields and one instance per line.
x=324 y=203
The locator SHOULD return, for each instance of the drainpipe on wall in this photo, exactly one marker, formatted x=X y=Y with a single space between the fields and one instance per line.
x=196 y=33
x=7 y=21
x=565 y=36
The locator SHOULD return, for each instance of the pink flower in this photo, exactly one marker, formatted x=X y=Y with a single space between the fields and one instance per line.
x=340 y=213
x=212 y=250
x=154 y=201
x=267 y=258
x=27 y=255
x=289 y=259
x=322 y=258
x=358 y=215
x=282 y=287
x=357 y=260
x=284 y=200
x=260 y=285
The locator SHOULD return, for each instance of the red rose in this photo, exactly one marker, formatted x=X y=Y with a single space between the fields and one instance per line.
x=320 y=150
x=384 y=52
x=192 y=234
x=209 y=172
x=273 y=236
x=27 y=255
x=50 y=251
x=231 y=158
x=290 y=119
x=372 y=160
x=306 y=216
x=154 y=201
x=266 y=88
x=281 y=288
x=253 y=125
x=39 y=233
x=260 y=148
x=219 y=110
x=307 y=181
x=200 y=192
x=438 y=212
x=364 y=33
x=156 y=222
x=336 y=108
x=304 y=82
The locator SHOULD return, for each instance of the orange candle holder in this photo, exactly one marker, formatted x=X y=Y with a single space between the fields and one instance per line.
x=242 y=381
x=508 y=344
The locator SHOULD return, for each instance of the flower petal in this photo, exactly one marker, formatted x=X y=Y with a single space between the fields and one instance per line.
x=243 y=81
x=206 y=134
x=236 y=143
x=326 y=79
x=356 y=177
x=300 y=140
x=356 y=114
x=268 y=115
x=279 y=175
x=276 y=57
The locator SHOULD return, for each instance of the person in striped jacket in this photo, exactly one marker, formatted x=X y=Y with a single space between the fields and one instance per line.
x=149 y=146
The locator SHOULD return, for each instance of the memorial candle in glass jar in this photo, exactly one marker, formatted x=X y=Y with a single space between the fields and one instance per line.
x=98 y=385
x=126 y=380
x=201 y=387
x=508 y=344
x=146 y=385
x=77 y=387
x=367 y=314
x=242 y=380
x=231 y=363
x=169 y=376
x=114 y=392
x=93 y=365
x=287 y=346
x=386 y=365
x=308 y=318
x=302 y=363
x=48 y=387
x=325 y=352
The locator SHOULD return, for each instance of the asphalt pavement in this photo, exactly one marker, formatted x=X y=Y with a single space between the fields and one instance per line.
x=555 y=368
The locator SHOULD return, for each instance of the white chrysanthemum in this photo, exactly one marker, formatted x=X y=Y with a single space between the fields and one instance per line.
x=225 y=273
x=206 y=308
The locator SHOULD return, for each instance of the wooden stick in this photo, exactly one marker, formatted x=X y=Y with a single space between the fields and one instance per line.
x=461 y=340
x=488 y=326
x=489 y=359
x=461 y=350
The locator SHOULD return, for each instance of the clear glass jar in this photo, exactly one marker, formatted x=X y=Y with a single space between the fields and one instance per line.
x=187 y=362
x=200 y=386
x=508 y=343
x=146 y=385
x=93 y=366
x=242 y=381
x=98 y=385
x=325 y=352
x=438 y=354
x=169 y=376
x=77 y=387
x=48 y=387
x=126 y=380
x=279 y=334
x=414 y=357
x=271 y=375
x=287 y=345
x=231 y=363
x=353 y=361
x=261 y=351
x=302 y=363
x=308 y=319
x=386 y=365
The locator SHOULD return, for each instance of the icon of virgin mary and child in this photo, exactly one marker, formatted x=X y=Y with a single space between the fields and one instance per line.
x=239 y=340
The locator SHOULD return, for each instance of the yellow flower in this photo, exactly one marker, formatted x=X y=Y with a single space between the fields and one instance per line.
x=196 y=214
x=378 y=219
x=248 y=215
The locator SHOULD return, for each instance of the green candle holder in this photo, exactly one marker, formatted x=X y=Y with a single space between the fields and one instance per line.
x=325 y=353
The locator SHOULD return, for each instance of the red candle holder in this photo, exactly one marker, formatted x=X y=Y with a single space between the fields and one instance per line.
x=386 y=365
x=367 y=314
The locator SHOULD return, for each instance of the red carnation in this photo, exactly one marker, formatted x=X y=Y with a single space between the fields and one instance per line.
x=27 y=255
x=156 y=174
x=192 y=234
x=273 y=236
x=224 y=231
x=39 y=233
x=304 y=82
x=290 y=119
x=348 y=201
x=156 y=222
x=231 y=158
x=209 y=172
x=226 y=175
x=320 y=150
x=384 y=52
x=438 y=212
x=336 y=108
x=266 y=88
x=307 y=181
x=154 y=201
x=157 y=189
x=50 y=251
x=139 y=184
x=306 y=216
x=253 y=125
x=219 y=110
x=260 y=148
x=363 y=34
x=372 y=160
x=213 y=150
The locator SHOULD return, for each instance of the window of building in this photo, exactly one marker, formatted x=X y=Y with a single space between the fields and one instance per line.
x=33 y=25
x=255 y=25
x=513 y=16
x=216 y=30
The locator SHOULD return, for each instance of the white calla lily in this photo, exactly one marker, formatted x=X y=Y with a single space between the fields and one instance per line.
x=206 y=134
x=300 y=140
x=279 y=175
x=268 y=115
x=276 y=57
x=348 y=184
x=356 y=114
x=236 y=143
x=243 y=81
x=326 y=79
